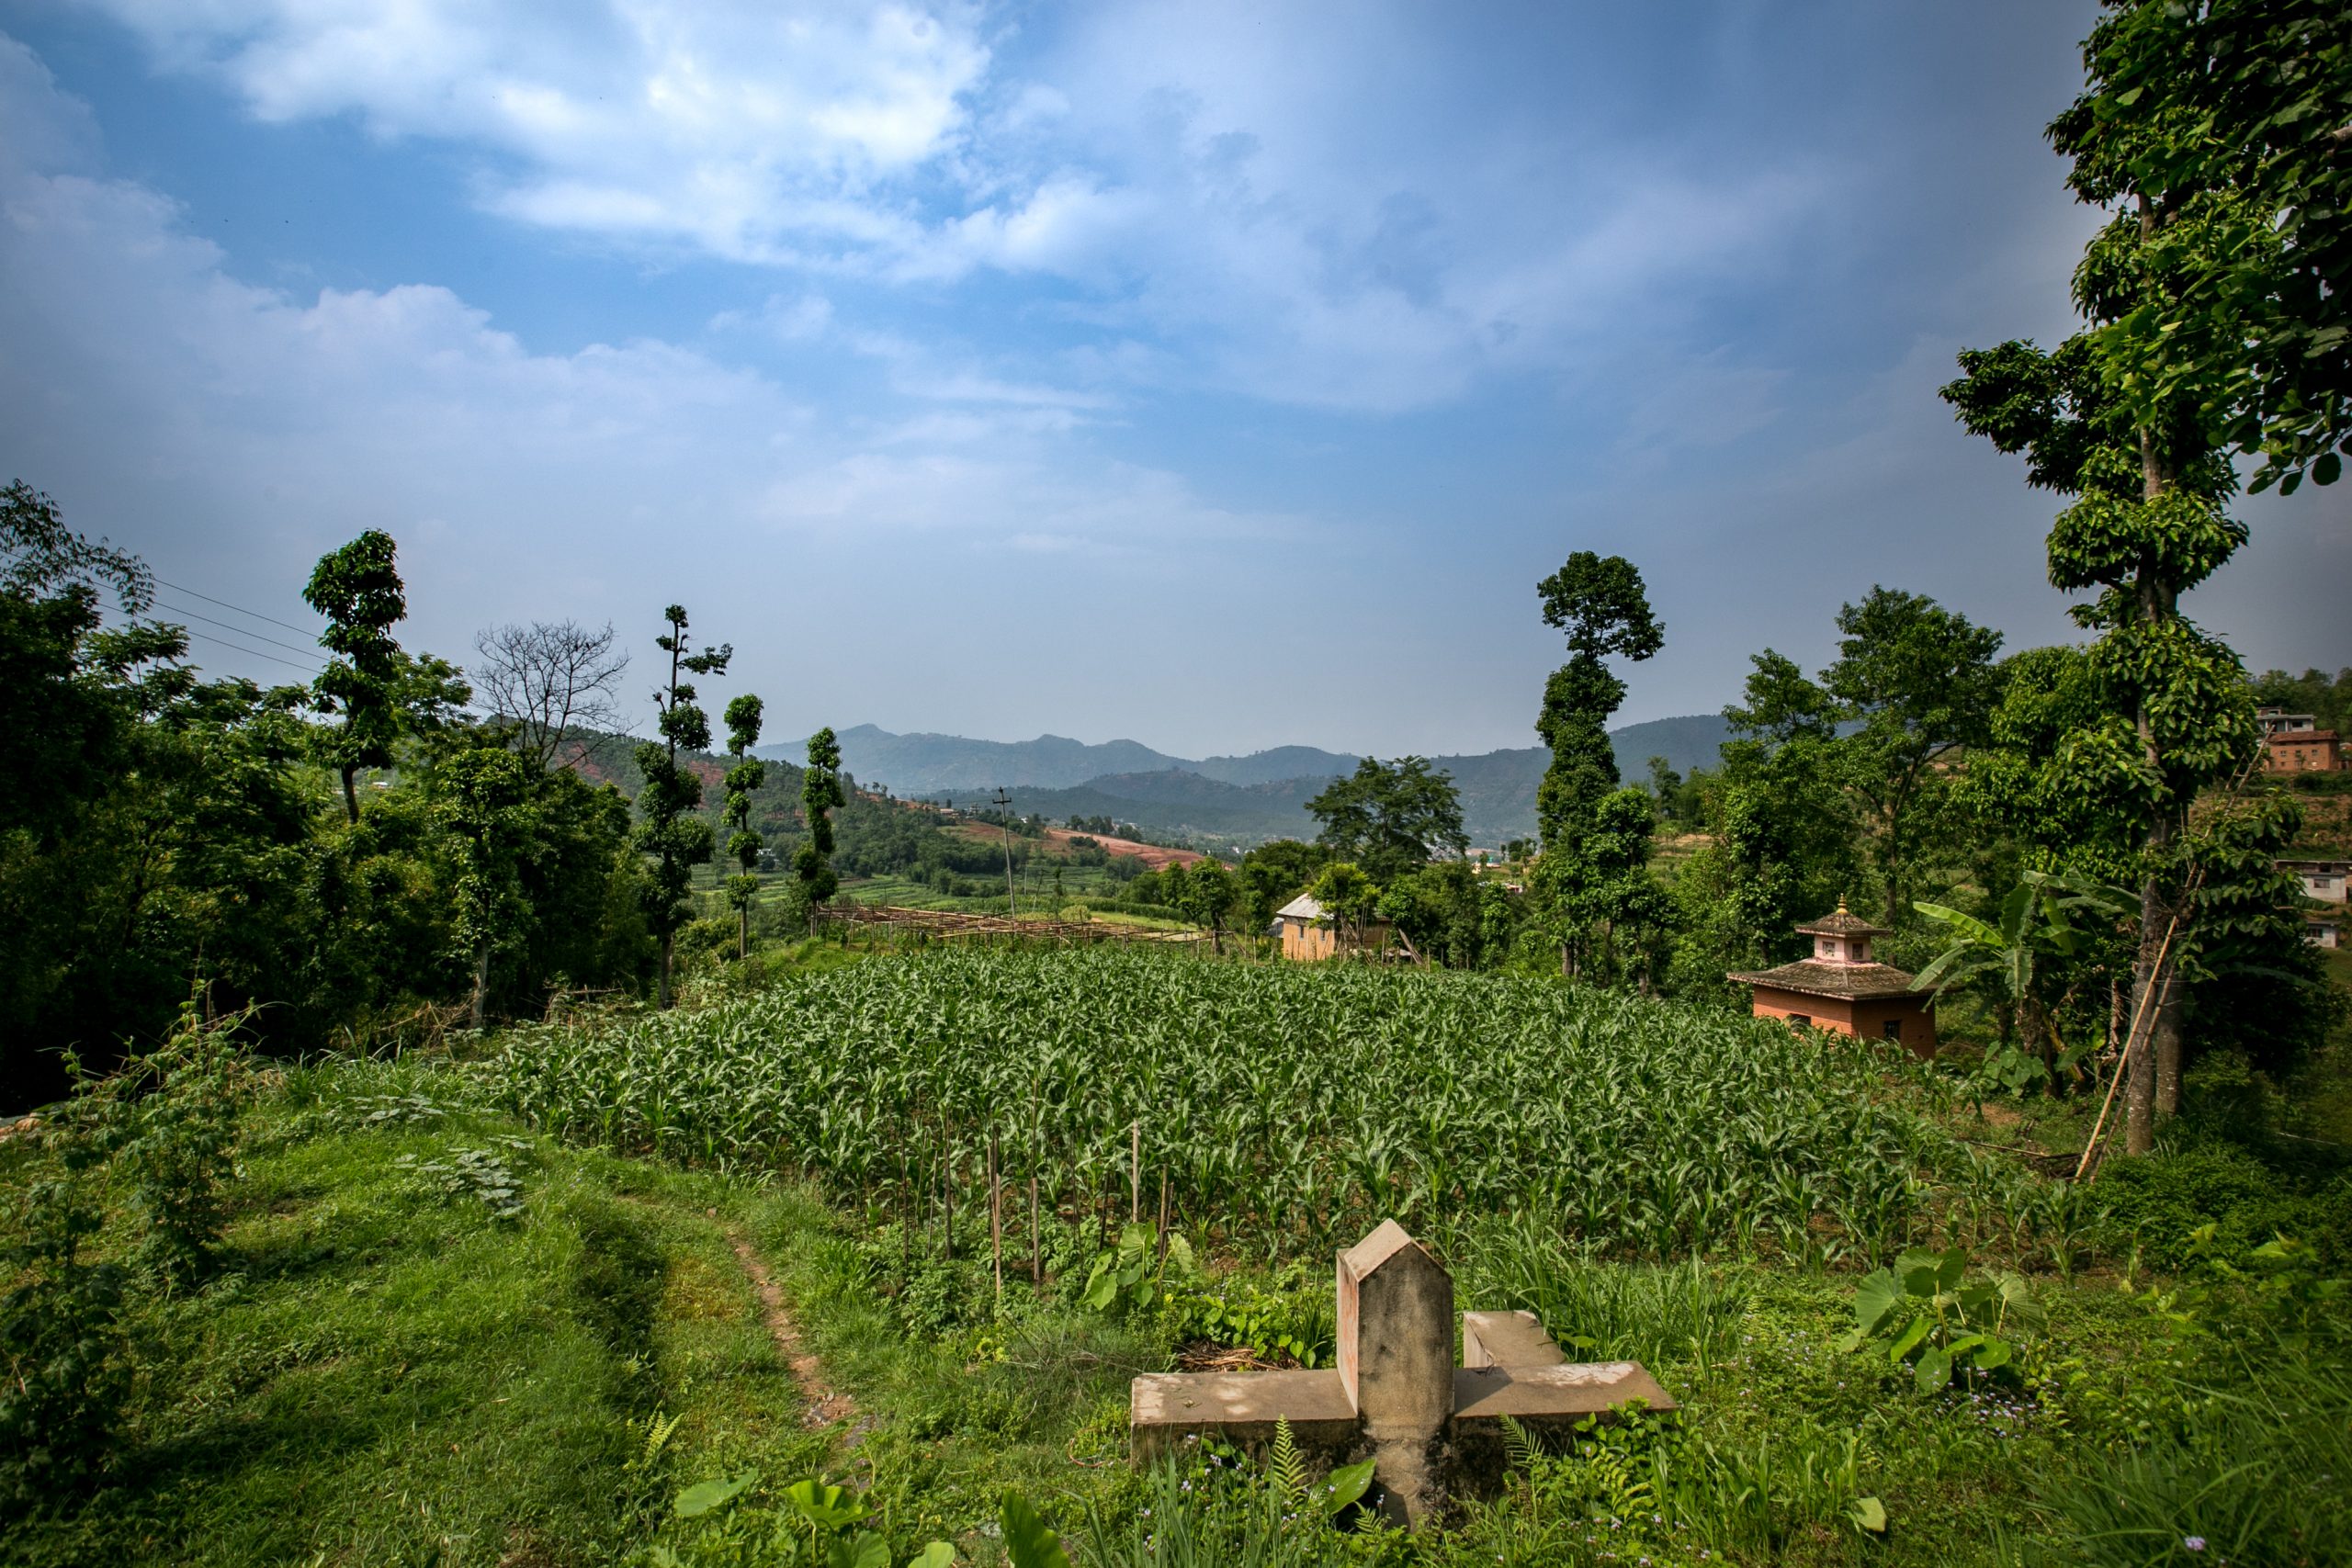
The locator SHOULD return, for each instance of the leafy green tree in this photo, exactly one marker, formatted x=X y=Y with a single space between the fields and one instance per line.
x=379 y=691
x=1278 y=872
x=2215 y=312
x=485 y=810
x=1613 y=896
x=1349 y=897
x=820 y=792
x=1389 y=817
x=1602 y=606
x=668 y=831
x=744 y=778
x=1600 y=603
x=2217 y=132
x=2145 y=526
x=1211 y=896
x=1916 y=685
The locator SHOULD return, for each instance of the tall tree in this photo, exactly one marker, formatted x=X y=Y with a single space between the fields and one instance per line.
x=744 y=777
x=2221 y=132
x=1601 y=603
x=1389 y=817
x=358 y=590
x=380 y=691
x=668 y=830
x=1210 y=897
x=2136 y=448
x=484 y=809
x=820 y=792
x=549 y=680
x=1915 y=683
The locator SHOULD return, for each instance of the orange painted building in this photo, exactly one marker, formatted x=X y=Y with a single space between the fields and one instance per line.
x=2293 y=743
x=1842 y=989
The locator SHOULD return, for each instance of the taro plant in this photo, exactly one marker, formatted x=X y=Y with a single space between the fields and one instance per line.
x=1128 y=1276
x=1919 y=1312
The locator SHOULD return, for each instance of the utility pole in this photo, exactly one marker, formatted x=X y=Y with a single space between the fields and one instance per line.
x=1004 y=808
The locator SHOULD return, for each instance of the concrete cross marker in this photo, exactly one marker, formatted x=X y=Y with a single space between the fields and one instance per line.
x=1395 y=1395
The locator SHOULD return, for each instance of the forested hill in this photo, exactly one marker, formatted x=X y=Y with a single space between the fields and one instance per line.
x=1254 y=796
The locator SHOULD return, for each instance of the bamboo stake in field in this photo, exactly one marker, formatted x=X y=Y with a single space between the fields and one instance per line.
x=1135 y=1172
x=947 y=1186
x=1161 y=1273
x=996 y=1219
x=1036 y=1239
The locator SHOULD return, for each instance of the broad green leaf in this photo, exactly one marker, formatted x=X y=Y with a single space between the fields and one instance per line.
x=938 y=1554
x=1869 y=1514
x=1963 y=1345
x=1909 y=1340
x=1917 y=1270
x=1027 y=1541
x=703 y=1497
x=864 y=1550
x=1874 y=1300
x=1933 y=1371
x=1993 y=1353
x=1102 y=1286
x=828 y=1507
x=1345 y=1485
x=1950 y=1267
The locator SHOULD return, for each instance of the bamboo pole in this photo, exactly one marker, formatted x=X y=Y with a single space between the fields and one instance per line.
x=996 y=1221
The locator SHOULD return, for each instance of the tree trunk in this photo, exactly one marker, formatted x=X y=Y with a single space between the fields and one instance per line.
x=481 y=982
x=350 y=795
x=2168 y=1054
x=662 y=992
x=743 y=933
x=2149 y=984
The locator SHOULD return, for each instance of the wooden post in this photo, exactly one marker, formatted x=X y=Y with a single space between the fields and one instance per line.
x=996 y=1219
x=947 y=1185
x=1036 y=1239
x=1161 y=1273
x=1134 y=1171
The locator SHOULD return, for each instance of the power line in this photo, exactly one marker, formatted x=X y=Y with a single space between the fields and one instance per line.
x=254 y=652
x=257 y=615
x=224 y=626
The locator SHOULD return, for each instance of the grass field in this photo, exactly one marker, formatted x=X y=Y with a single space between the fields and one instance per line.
x=396 y=1361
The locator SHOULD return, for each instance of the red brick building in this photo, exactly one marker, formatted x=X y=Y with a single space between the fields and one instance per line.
x=1842 y=987
x=2292 y=743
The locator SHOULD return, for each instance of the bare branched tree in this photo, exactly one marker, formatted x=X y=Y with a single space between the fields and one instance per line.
x=547 y=680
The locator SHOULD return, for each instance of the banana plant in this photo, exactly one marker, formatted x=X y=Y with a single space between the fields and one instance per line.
x=2032 y=920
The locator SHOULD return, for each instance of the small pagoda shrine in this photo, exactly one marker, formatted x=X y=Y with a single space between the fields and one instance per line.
x=1842 y=987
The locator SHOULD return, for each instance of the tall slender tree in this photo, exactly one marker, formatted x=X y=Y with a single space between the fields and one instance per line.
x=821 y=792
x=2141 y=458
x=667 y=829
x=380 y=691
x=746 y=775
x=1600 y=603
x=358 y=590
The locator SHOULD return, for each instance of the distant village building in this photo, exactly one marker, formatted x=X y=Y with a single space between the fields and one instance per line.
x=2322 y=880
x=2325 y=882
x=1308 y=933
x=1841 y=989
x=2293 y=743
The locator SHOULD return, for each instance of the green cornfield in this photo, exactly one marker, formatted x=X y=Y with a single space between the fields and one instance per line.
x=1275 y=1107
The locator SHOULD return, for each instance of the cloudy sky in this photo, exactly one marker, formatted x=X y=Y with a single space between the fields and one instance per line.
x=1218 y=376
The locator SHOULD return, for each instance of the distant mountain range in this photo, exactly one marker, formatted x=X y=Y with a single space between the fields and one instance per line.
x=1239 y=799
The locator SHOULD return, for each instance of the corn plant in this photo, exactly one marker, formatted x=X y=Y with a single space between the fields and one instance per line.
x=1285 y=1110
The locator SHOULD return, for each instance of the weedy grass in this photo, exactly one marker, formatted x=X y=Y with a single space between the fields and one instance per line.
x=389 y=1366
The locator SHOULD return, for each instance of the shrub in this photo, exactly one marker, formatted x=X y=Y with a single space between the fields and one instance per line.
x=2162 y=1201
x=64 y=1356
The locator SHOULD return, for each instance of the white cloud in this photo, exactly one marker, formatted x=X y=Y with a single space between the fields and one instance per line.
x=1265 y=203
x=233 y=432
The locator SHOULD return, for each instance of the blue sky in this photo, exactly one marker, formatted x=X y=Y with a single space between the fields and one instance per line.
x=1219 y=376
